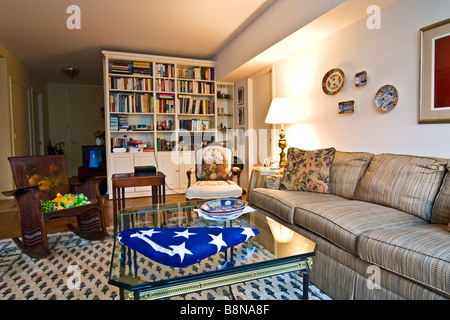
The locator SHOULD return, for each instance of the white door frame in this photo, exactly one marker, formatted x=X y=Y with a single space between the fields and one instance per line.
x=30 y=108
x=251 y=142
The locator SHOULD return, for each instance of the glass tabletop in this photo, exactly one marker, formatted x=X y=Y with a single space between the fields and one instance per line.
x=131 y=270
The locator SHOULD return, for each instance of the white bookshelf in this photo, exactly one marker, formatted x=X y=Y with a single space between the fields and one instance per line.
x=169 y=103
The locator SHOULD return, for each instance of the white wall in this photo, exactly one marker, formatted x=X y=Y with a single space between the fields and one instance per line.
x=390 y=56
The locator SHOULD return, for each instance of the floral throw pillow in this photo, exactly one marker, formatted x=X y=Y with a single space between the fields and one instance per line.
x=214 y=171
x=307 y=170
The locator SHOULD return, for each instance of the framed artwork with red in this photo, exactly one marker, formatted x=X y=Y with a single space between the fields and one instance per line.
x=434 y=104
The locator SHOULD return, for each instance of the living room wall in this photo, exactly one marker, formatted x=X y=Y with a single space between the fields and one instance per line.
x=76 y=107
x=11 y=69
x=390 y=55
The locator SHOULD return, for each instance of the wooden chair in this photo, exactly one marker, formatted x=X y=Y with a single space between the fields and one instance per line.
x=214 y=171
x=42 y=178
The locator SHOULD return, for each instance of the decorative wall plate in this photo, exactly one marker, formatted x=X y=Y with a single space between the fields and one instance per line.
x=386 y=98
x=333 y=81
x=361 y=79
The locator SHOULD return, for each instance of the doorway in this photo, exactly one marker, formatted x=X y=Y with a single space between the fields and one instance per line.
x=26 y=120
x=260 y=133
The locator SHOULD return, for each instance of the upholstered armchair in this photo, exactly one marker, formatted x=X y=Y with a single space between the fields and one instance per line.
x=214 y=172
x=42 y=178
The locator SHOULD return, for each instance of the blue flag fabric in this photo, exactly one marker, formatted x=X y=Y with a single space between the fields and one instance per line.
x=182 y=247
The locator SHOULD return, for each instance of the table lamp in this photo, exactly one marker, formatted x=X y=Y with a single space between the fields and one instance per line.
x=281 y=111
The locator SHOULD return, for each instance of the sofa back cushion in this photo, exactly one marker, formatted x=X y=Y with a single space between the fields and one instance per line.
x=407 y=183
x=441 y=209
x=346 y=170
x=307 y=170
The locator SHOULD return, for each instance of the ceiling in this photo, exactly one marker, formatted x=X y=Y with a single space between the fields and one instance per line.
x=36 y=32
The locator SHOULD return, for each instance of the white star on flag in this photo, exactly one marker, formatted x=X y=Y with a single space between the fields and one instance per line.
x=248 y=232
x=181 y=250
x=218 y=241
x=149 y=232
x=185 y=234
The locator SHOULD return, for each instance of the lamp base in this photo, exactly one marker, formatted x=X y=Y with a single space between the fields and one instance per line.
x=282 y=144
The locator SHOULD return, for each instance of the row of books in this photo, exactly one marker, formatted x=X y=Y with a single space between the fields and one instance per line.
x=191 y=105
x=138 y=84
x=187 y=86
x=165 y=70
x=165 y=105
x=127 y=67
x=142 y=67
x=206 y=74
x=165 y=85
x=118 y=123
x=197 y=73
x=164 y=144
x=136 y=145
x=164 y=125
x=195 y=124
x=119 y=142
x=123 y=102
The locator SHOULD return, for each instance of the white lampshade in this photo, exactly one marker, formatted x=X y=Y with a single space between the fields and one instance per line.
x=281 y=111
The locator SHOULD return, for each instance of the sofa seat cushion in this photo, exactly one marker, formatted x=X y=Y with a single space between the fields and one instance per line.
x=407 y=183
x=342 y=222
x=282 y=203
x=420 y=253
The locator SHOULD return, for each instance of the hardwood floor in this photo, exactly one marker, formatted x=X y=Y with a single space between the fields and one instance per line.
x=10 y=224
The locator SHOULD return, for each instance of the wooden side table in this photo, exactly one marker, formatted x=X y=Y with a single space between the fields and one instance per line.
x=120 y=181
x=259 y=175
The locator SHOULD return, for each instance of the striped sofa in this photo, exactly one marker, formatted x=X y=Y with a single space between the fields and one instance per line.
x=381 y=230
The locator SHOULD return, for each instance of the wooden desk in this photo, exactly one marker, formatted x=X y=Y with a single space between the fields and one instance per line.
x=120 y=181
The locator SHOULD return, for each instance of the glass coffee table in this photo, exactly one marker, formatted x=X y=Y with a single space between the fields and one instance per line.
x=140 y=278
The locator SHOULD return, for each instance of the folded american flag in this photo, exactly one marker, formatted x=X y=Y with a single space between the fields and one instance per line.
x=182 y=247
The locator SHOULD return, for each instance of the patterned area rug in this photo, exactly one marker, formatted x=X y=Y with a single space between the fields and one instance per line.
x=51 y=278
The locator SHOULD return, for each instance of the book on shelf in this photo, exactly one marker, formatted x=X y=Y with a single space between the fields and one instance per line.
x=165 y=70
x=165 y=103
x=165 y=85
x=123 y=67
x=119 y=142
x=125 y=102
x=194 y=124
x=135 y=84
x=164 y=125
x=196 y=87
x=142 y=67
x=164 y=144
x=118 y=122
x=191 y=105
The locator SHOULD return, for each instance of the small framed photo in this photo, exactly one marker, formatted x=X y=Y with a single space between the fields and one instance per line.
x=241 y=115
x=346 y=107
x=240 y=96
